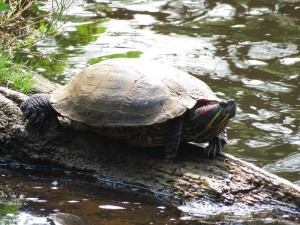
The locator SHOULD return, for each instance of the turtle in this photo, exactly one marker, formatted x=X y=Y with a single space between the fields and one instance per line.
x=142 y=102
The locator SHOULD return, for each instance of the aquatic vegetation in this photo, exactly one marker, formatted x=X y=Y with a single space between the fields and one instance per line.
x=6 y=209
x=4 y=7
x=21 y=26
x=14 y=28
x=130 y=54
x=15 y=75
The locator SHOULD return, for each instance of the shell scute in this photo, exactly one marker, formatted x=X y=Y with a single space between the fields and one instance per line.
x=129 y=92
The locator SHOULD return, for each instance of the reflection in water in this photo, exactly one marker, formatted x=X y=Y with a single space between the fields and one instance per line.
x=24 y=219
x=264 y=50
x=68 y=199
x=245 y=50
x=56 y=197
x=290 y=163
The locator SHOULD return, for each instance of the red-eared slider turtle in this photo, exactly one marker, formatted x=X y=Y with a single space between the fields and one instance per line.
x=142 y=102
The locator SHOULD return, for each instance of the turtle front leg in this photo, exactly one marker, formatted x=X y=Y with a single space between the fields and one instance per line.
x=37 y=109
x=173 y=139
x=216 y=144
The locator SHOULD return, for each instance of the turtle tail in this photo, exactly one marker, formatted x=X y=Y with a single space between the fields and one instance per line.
x=37 y=109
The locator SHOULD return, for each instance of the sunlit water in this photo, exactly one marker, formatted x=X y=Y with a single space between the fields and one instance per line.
x=245 y=50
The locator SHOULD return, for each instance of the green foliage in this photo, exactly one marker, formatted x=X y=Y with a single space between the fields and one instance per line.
x=21 y=27
x=6 y=209
x=59 y=7
x=20 y=30
x=43 y=28
x=4 y=7
x=14 y=76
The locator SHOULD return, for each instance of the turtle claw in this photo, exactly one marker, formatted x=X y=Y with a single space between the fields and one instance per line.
x=170 y=157
x=34 y=117
x=215 y=146
x=31 y=119
x=37 y=110
x=171 y=151
x=173 y=140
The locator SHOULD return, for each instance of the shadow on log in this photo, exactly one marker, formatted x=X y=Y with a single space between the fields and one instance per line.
x=193 y=183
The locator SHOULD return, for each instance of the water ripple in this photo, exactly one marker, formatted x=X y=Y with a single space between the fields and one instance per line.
x=270 y=127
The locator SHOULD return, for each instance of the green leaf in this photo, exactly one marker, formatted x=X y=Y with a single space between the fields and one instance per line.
x=4 y=7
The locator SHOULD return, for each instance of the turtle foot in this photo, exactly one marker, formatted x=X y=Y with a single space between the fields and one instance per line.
x=170 y=158
x=215 y=147
x=171 y=151
x=37 y=110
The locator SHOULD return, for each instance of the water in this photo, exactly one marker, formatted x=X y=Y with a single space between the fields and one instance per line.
x=245 y=50
x=51 y=192
x=51 y=196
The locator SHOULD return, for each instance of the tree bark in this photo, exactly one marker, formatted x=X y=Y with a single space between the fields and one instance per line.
x=191 y=182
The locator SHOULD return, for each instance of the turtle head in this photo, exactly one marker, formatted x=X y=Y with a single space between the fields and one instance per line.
x=211 y=118
x=216 y=110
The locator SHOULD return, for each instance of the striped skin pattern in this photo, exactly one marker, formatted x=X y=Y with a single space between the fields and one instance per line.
x=199 y=128
x=203 y=127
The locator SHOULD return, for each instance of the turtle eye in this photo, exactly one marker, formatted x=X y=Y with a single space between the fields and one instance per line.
x=223 y=104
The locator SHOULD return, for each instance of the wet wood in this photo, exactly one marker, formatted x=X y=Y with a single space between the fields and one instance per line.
x=191 y=180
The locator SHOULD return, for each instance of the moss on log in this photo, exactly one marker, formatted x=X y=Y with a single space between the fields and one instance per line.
x=225 y=184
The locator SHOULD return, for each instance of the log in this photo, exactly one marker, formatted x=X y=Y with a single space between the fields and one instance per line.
x=193 y=183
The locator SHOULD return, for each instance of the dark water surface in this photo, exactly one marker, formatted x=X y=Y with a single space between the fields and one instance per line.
x=56 y=197
x=244 y=49
x=66 y=192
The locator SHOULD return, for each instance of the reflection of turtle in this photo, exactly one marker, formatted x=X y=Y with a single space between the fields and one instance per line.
x=141 y=102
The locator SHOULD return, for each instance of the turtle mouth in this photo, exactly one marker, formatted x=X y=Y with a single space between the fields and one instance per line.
x=229 y=108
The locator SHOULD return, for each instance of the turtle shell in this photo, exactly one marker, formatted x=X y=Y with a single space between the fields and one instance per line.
x=129 y=92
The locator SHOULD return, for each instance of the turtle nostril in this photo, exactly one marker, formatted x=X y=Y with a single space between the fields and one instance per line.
x=223 y=104
x=231 y=102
